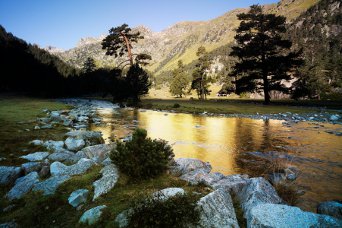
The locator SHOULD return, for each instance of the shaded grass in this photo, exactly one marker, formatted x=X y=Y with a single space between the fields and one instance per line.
x=17 y=120
x=225 y=106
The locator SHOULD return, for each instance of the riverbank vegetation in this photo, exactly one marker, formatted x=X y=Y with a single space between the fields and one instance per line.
x=238 y=106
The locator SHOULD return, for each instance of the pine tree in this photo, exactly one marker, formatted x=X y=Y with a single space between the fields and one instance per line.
x=138 y=82
x=201 y=80
x=119 y=42
x=89 y=65
x=179 y=82
x=265 y=59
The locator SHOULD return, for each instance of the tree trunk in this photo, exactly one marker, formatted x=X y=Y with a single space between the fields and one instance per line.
x=130 y=56
x=202 y=88
x=264 y=77
x=266 y=90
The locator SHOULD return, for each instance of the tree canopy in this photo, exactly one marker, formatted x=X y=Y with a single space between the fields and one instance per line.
x=179 y=83
x=264 y=57
x=119 y=42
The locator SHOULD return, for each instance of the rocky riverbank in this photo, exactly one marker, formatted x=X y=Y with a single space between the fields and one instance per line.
x=81 y=150
x=288 y=117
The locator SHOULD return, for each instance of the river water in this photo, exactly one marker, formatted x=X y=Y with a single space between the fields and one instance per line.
x=220 y=140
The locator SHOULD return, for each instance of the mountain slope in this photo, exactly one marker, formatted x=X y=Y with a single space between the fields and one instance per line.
x=180 y=41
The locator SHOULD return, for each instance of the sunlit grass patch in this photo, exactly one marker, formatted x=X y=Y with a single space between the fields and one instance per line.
x=17 y=122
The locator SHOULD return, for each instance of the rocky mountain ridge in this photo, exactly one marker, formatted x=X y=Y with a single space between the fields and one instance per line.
x=180 y=41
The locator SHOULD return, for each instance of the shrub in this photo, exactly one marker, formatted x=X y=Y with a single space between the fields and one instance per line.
x=288 y=192
x=177 y=211
x=142 y=158
x=176 y=105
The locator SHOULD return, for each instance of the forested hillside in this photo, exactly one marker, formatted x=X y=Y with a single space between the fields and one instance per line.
x=27 y=68
x=319 y=33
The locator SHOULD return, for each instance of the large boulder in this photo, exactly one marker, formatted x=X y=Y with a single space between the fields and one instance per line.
x=8 y=174
x=64 y=156
x=50 y=185
x=332 y=208
x=195 y=177
x=167 y=193
x=37 y=156
x=110 y=176
x=257 y=191
x=232 y=183
x=217 y=210
x=29 y=167
x=22 y=186
x=90 y=137
x=211 y=178
x=78 y=197
x=36 y=142
x=98 y=153
x=74 y=144
x=59 y=169
x=277 y=215
x=190 y=169
x=55 y=115
x=186 y=165
x=54 y=146
x=91 y=216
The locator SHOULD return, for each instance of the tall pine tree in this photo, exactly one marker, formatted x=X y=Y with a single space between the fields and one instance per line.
x=201 y=80
x=179 y=82
x=265 y=59
x=89 y=65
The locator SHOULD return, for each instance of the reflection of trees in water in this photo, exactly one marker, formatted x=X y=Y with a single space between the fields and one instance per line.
x=244 y=135
x=253 y=136
x=270 y=139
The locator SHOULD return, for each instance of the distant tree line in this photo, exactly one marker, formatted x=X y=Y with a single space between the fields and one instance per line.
x=30 y=70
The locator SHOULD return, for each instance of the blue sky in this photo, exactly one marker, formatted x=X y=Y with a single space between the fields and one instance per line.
x=61 y=23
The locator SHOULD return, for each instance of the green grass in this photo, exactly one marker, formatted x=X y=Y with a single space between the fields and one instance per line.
x=17 y=114
x=225 y=106
x=36 y=210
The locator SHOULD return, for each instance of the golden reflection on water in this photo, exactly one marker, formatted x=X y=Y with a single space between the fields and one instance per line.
x=211 y=139
x=220 y=140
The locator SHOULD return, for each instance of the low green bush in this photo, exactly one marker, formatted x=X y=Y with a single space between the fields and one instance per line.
x=176 y=105
x=178 y=211
x=142 y=157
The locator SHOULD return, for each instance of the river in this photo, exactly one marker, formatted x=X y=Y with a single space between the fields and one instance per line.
x=220 y=140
